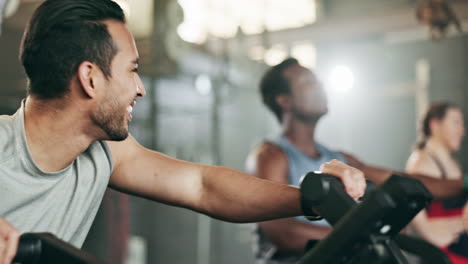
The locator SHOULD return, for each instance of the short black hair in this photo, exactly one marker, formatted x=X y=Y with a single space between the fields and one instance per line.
x=60 y=36
x=274 y=83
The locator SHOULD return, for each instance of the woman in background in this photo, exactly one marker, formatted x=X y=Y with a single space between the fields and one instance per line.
x=442 y=222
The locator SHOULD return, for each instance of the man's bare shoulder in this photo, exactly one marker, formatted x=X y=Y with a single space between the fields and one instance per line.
x=266 y=154
x=268 y=151
x=122 y=150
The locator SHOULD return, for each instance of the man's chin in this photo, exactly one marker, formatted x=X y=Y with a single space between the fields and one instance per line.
x=310 y=118
x=120 y=138
x=118 y=135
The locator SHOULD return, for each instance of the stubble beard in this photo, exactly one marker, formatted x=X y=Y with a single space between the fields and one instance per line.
x=111 y=121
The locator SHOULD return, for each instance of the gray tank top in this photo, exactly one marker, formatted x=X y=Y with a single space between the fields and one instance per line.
x=64 y=202
x=298 y=165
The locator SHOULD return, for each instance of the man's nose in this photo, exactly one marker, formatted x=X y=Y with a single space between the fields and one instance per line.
x=141 y=91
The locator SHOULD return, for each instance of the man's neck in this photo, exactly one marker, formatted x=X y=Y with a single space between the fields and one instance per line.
x=301 y=134
x=55 y=136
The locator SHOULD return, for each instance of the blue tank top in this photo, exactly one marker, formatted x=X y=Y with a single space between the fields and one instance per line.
x=299 y=163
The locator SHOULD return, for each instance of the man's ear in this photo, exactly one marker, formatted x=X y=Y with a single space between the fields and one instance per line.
x=284 y=101
x=87 y=74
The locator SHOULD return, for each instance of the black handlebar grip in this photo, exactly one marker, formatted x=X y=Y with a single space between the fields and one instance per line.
x=326 y=195
x=45 y=248
x=29 y=250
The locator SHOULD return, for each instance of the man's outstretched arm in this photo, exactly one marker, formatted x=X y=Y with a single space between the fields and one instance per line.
x=217 y=191
x=439 y=188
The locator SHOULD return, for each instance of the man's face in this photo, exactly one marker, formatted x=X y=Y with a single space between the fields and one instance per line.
x=113 y=113
x=308 y=99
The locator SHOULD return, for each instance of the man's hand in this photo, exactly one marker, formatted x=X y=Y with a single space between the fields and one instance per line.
x=352 y=178
x=9 y=238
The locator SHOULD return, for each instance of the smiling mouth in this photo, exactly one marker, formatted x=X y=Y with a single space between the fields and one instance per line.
x=130 y=110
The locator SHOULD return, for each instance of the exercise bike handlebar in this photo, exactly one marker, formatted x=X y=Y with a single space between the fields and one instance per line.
x=362 y=230
x=45 y=248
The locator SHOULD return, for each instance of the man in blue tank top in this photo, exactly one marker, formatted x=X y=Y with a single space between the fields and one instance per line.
x=296 y=97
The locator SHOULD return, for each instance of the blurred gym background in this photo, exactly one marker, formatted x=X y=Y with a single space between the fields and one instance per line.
x=201 y=62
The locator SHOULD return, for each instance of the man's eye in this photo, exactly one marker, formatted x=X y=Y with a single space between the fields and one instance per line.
x=135 y=70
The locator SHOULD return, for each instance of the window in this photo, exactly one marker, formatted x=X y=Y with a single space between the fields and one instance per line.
x=222 y=18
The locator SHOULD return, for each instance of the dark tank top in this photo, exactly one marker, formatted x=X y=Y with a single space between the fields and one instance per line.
x=449 y=208
x=446 y=207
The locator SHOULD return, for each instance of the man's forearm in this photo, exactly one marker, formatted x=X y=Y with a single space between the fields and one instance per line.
x=234 y=196
x=376 y=175
x=439 y=188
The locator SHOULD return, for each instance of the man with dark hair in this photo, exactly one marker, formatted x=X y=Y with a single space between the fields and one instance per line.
x=297 y=99
x=58 y=42
x=273 y=84
x=69 y=139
